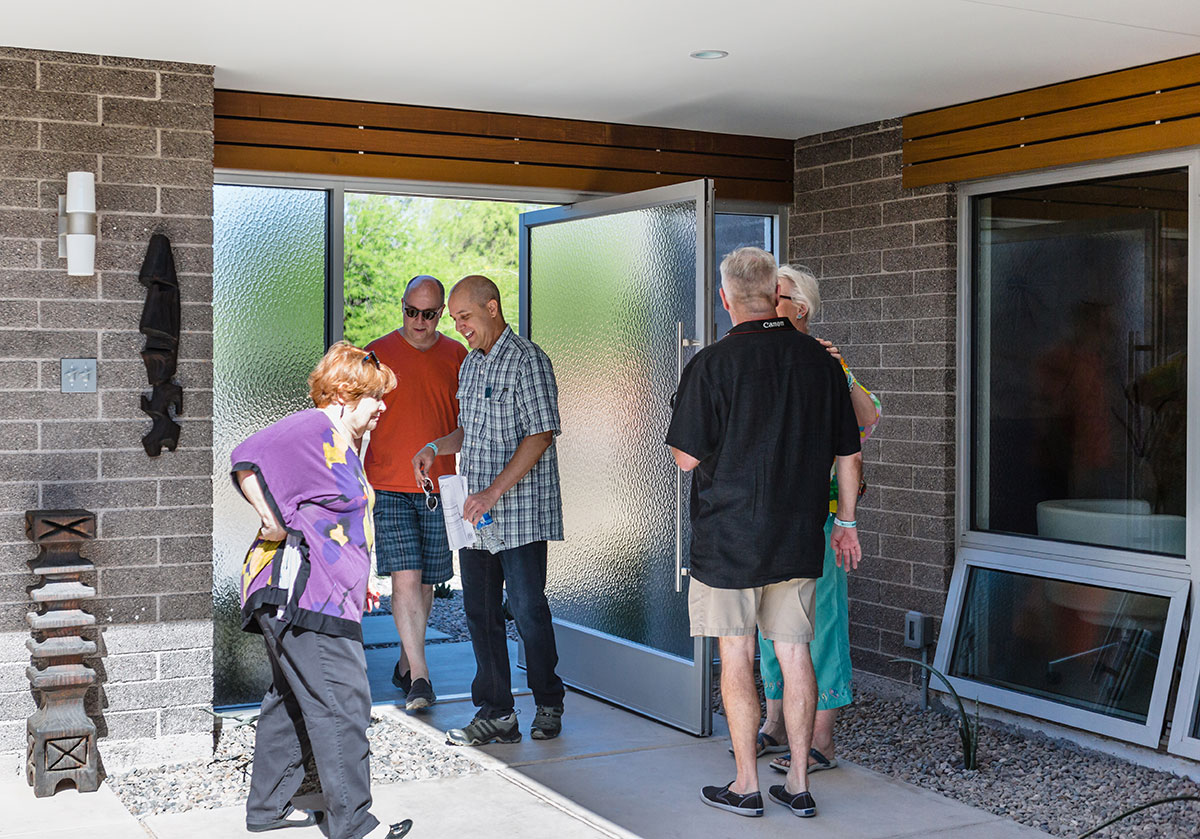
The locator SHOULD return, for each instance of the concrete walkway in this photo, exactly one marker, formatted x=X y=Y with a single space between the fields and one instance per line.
x=612 y=774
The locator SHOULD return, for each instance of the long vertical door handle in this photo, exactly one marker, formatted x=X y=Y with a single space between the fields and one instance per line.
x=680 y=571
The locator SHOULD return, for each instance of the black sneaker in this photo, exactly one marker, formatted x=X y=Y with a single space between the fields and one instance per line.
x=402 y=680
x=801 y=803
x=480 y=732
x=420 y=695
x=547 y=722
x=723 y=798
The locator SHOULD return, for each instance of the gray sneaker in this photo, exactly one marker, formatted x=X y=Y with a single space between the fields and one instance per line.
x=547 y=722
x=480 y=732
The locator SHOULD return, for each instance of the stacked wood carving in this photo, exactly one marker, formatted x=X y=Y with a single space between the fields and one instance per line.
x=160 y=325
x=62 y=738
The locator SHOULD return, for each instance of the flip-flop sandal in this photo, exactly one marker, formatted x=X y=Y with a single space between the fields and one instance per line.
x=766 y=745
x=822 y=762
x=783 y=764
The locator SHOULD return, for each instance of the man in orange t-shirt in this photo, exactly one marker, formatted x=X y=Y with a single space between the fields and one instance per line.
x=410 y=541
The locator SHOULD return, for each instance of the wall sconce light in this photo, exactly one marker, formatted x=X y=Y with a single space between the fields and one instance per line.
x=77 y=224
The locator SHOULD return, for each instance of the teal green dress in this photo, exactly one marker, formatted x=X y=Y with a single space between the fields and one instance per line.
x=830 y=647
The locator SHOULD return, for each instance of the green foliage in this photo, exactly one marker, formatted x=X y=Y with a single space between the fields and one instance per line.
x=967 y=732
x=389 y=239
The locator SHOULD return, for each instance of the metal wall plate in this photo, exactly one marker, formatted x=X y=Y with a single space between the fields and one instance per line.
x=78 y=375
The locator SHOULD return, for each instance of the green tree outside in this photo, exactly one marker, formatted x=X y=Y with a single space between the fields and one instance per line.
x=389 y=239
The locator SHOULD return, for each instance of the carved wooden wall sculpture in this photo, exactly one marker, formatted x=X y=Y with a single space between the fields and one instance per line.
x=62 y=739
x=160 y=325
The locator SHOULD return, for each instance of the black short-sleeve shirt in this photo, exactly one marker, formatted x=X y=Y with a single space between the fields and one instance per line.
x=765 y=410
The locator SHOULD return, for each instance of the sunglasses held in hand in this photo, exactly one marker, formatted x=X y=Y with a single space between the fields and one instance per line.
x=431 y=500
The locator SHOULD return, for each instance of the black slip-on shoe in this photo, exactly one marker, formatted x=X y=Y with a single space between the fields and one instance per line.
x=420 y=695
x=480 y=732
x=402 y=680
x=547 y=722
x=723 y=798
x=400 y=829
x=800 y=803
x=304 y=818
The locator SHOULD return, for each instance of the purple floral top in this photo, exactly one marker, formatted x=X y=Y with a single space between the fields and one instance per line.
x=317 y=488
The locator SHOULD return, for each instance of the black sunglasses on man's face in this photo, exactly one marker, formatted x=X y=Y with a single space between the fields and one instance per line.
x=427 y=314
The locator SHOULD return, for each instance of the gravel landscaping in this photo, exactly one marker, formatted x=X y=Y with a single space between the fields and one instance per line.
x=398 y=754
x=1053 y=785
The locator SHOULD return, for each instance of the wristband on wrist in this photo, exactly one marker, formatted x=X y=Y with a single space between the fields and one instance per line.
x=846 y=524
x=431 y=446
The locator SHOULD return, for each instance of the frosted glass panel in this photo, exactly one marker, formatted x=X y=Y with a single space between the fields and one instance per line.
x=269 y=257
x=605 y=297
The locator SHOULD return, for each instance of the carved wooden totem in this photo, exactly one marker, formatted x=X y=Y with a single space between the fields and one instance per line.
x=160 y=325
x=62 y=738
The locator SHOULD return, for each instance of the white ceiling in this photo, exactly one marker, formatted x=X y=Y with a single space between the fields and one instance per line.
x=796 y=67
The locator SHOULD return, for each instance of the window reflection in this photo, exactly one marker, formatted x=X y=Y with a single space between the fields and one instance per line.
x=1079 y=358
x=730 y=232
x=1090 y=647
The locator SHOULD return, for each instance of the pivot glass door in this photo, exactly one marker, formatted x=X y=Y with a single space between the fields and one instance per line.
x=616 y=292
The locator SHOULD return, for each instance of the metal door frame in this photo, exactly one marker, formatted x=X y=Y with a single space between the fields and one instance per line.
x=659 y=673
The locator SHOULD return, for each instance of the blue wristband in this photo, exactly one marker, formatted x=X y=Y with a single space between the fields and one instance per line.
x=431 y=446
x=846 y=524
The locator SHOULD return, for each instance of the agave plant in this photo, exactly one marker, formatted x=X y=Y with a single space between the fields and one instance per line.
x=968 y=731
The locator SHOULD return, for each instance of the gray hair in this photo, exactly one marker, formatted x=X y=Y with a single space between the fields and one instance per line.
x=748 y=276
x=799 y=282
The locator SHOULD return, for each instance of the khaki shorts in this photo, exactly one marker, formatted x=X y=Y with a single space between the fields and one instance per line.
x=781 y=611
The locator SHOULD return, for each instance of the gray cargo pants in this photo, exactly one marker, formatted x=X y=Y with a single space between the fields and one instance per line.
x=319 y=702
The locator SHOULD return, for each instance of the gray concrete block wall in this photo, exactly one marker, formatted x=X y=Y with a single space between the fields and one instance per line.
x=886 y=260
x=145 y=129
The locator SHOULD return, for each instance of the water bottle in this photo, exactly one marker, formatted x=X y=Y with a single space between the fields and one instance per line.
x=489 y=534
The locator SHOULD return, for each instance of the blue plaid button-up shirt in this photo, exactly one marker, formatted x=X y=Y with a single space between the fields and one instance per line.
x=504 y=396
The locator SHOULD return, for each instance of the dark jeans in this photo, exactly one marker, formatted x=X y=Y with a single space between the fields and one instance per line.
x=319 y=702
x=484 y=576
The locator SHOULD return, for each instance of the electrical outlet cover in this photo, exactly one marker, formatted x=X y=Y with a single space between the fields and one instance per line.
x=78 y=375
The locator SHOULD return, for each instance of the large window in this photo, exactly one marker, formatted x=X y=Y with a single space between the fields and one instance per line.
x=1072 y=578
x=1080 y=333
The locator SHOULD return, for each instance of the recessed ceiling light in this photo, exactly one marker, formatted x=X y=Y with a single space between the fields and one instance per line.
x=709 y=55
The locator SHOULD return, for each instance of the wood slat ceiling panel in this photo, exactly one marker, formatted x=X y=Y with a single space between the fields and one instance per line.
x=1148 y=78
x=1143 y=109
x=1168 y=135
x=262 y=158
x=368 y=139
x=507 y=149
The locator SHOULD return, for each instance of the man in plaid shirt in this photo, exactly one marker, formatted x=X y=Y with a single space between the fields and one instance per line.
x=508 y=419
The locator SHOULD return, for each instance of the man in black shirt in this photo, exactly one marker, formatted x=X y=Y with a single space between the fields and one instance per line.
x=760 y=416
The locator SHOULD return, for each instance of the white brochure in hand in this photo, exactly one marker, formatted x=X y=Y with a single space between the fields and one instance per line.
x=454 y=495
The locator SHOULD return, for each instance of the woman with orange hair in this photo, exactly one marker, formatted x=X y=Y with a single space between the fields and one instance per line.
x=304 y=588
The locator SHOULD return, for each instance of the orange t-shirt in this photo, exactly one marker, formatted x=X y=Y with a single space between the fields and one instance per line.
x=422 y=408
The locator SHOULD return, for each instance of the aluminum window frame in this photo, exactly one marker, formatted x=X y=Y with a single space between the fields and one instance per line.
x=1173 y=588
x=1142 y=572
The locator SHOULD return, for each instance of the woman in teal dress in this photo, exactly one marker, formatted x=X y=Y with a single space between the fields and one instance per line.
x=830 y=648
